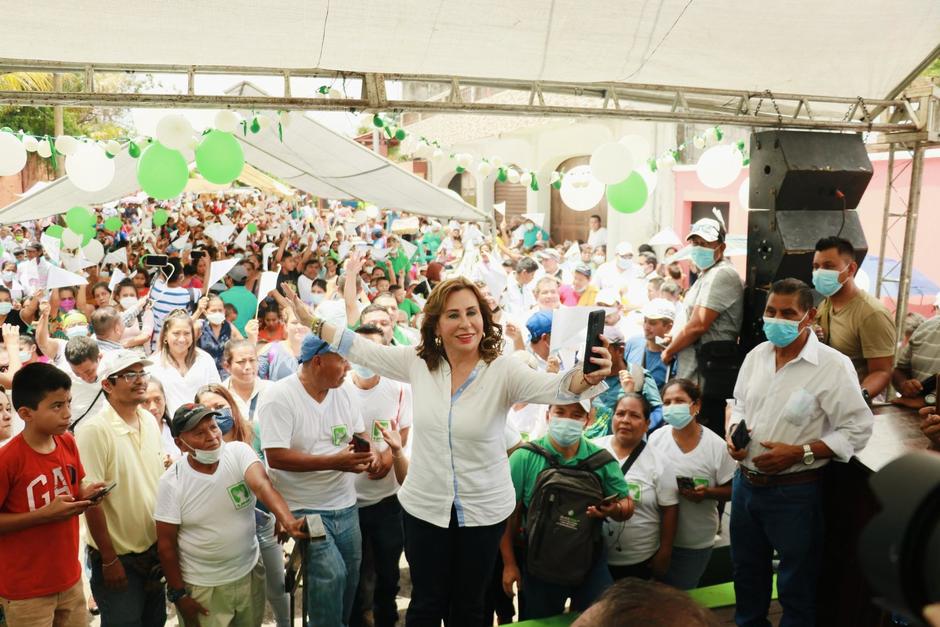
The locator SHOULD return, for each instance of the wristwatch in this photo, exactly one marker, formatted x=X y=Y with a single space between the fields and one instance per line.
x=930 y=399
x=866 y=395
x=808 y=457
x=173 y=595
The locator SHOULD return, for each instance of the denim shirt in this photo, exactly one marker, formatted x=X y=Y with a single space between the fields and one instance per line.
x=214 y=345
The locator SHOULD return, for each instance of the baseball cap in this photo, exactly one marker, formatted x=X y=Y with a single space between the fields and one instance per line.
x=313 y=346
x=116 y=361
x=188 y=416
x=539 y=324
x=659 y=309
x=34 y=246
x=607 y=296
x=549 y=253
x=614 y=335
x=708 y=229
x=624 y=248
x=584 y=269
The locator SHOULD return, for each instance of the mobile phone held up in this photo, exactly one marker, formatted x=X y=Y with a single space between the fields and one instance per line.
x=100 y=494
x=595 y=327
x=155 y=261
x=360 y=445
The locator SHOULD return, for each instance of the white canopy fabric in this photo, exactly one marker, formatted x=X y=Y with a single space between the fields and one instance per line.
x=838 y=47
x=312 y=158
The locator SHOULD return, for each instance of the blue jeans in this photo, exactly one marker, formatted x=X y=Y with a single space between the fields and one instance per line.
x=686 y=567
x=141 y=604
x=788 y=519
x=544 y=599
x=333 y=567
x=272 y=555
x=381 y=527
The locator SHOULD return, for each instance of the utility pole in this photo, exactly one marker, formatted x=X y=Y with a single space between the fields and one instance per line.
x=58 y=122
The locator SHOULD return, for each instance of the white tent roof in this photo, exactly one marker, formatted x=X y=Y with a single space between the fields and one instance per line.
x=312 y=158
x=837 y=47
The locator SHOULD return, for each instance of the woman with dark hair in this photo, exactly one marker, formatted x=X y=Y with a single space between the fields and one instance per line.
x=155 y=403
x=179 y=364
x=641 y=546
x=136 y=316
x=101 y=297
x=458 y=492
x=702 y=464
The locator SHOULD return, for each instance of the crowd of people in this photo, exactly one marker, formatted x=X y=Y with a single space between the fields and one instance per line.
x=368 y=385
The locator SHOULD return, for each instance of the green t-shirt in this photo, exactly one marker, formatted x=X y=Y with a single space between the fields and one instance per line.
x=410 y=308
x=530 y=237
x=525 y=466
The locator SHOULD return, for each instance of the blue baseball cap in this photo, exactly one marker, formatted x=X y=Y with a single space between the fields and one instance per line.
x=538 y=325
x=313 y=346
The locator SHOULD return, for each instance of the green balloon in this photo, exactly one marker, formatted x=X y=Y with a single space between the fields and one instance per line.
x=113 y=223
x=160 y=217
x=88 y=234
x=55 y=231
x=220 y=158
x=161 y=172
x=252 y=228
x=629 y=195
x=78 y=218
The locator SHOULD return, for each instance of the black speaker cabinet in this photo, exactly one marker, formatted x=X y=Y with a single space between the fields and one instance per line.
x=813 y=171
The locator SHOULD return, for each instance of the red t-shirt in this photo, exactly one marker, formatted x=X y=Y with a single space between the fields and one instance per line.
x=41 y=560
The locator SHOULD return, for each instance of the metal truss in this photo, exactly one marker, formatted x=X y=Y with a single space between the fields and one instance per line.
x=916 y=120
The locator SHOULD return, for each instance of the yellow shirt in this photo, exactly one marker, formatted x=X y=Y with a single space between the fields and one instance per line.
x=111 y=451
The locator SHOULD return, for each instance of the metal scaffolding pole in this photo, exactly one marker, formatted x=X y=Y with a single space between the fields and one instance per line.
x=884 y=222
x=910 y=232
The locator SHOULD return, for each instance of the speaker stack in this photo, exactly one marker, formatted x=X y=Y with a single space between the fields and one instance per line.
x=803 y=186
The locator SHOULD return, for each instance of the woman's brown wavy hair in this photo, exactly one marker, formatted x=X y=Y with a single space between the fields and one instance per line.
x=491 y=346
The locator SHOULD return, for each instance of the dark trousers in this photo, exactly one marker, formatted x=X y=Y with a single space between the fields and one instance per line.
x=544 y=599
x=639 y=571
x=496 y=600
x=789 y=519
x=381 y=528
x=141 y=604
x=450 y=569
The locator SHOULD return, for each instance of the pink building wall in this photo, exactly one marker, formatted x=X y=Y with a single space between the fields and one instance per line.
x=871 y=208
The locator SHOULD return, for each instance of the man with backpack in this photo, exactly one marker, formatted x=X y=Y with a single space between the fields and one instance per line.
x=565 y=487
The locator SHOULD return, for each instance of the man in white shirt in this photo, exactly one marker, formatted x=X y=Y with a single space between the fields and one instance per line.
x=518 y=298
x=623 y=275
x=83 y=357
x=387 y=403
x=551 y=266
x=307 y=424
x=597 y=235
x=205 y=518
x=802 y=405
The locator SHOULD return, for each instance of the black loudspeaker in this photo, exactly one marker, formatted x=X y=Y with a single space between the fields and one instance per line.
x=797 y=170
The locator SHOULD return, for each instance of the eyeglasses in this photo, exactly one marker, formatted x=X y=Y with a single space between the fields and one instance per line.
x=131 y=377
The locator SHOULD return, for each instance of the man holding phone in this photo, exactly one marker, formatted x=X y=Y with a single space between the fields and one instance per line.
x=801 y=401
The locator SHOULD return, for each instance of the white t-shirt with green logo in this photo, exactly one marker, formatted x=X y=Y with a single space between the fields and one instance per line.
x=215 y=514
x=709 y=464
x=291 y=418
x=387 y=402
x=652 y=485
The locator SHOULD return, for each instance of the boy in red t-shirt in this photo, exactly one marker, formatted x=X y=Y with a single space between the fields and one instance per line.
x=41 y=497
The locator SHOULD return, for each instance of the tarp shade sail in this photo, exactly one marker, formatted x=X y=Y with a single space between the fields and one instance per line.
x=312 y=158
x=838 y=47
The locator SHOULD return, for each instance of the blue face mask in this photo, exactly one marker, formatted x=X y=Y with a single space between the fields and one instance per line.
x=5 y=308
x=827 y=282
x=317 y=297
x=362 y=371
x=225 y=420
x=565 y=431
x=782 y=332
x=702 y=257
x=678 y=415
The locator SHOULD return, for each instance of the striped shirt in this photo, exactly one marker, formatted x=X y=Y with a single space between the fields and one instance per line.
x=921 y=356
x=166 y=299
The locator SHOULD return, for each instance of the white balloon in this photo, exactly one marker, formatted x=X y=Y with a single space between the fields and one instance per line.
x=89 y=168
x=227 y=121
x=638 y=146
x=513 y=175
x=437 y=153
x=484 y=169
x=174 y=131
x=465 y=160
x=649 y=176
x=93 y=251
x=497 y=162
x=719 y=166
x=744 y=193
x=698 y=142
x=67 y=145
x=611 y=163
x=71 y=239
x=30 y=143
x=12 y=154
x=526 y=179
x=580 y=190
x=44 y=150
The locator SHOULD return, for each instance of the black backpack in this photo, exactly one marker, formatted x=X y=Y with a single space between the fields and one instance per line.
x=562 y=542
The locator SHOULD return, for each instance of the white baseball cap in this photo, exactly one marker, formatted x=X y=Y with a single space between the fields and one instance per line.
x=706 y=228
x=624 y=248
x=116 y=361
x=659 y=309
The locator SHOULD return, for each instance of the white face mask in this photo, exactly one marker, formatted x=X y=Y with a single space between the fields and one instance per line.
x=81 y=331
x=317 y=297
x=215 y=318
x=598 y=259
x=127 y=302
x=8 y=276
x=207 y=457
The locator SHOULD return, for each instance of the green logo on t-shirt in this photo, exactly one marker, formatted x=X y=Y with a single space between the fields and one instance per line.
x=339 y=435
x=635 y=491
x=703 y=481
x=376 y=434
x=240 y=495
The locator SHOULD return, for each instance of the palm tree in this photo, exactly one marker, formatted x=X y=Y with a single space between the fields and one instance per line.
x=25 y=81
